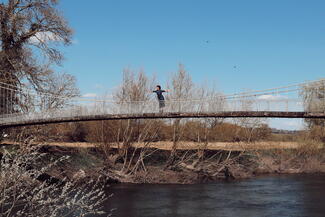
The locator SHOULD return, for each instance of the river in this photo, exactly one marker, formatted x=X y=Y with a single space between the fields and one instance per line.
x=289 y=195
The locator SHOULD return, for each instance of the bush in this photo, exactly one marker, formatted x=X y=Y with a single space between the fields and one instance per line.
x=27 y=190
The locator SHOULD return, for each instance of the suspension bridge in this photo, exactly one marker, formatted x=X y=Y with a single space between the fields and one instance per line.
x=25 y=107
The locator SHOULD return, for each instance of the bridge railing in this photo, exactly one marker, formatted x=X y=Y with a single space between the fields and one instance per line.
x=101 y=107
x=19 y=104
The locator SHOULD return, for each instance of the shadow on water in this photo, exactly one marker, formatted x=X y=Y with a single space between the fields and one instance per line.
x=302 y=195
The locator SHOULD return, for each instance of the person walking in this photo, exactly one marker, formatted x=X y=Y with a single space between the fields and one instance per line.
x=160 y=97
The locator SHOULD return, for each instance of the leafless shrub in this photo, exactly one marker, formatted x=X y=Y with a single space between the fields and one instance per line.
x=252 y=126
x=25 y=191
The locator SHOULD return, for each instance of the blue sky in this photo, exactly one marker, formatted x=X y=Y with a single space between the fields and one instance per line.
x=252 y=44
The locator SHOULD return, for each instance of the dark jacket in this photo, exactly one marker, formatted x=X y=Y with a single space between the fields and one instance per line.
x=160 y=96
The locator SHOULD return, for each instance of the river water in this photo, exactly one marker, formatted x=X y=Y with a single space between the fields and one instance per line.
x=294 y=195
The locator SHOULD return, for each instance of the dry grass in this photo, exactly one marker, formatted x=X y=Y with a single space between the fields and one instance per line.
x=183 y=145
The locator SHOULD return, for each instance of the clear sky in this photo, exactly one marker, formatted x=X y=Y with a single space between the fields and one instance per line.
x=239 y=44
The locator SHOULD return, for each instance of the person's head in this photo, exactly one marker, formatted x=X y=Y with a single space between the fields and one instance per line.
x=158 y=87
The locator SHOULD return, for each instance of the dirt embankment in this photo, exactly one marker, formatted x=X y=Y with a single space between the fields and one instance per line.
x=191 y=163
x=185 y=166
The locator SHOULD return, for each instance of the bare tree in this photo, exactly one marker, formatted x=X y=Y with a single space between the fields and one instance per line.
x=314 y=101
x=133 y=96
x=30 y=34
x=211 y=101
x=59 y=90
x=181 y=88
x=181 y=91
x=251 y=125
x=135 y=87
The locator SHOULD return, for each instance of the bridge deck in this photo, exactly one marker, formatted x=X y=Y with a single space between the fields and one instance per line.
x=236 y=114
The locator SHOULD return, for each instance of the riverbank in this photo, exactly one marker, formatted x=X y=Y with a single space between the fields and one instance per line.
x=185 y=166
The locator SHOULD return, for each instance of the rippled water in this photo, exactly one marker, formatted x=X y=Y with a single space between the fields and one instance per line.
x=264 y=196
